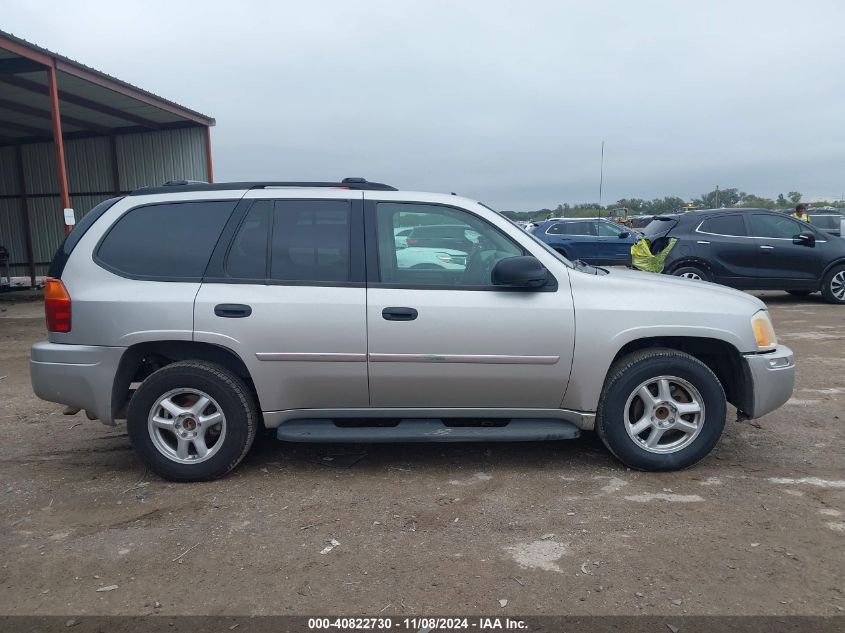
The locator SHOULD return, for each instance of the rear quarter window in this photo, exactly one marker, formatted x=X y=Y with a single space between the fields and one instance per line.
x=167 y=242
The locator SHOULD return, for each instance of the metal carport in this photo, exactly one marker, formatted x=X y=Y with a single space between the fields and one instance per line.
x=72 y=136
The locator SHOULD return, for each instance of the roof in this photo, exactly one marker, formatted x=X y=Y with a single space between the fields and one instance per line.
x=91 y=102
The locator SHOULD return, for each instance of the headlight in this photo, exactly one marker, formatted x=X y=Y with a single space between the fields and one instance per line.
x=764 y=331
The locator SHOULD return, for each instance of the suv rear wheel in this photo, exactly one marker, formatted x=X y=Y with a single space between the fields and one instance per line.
x=692 y=272
x=661 y=409
x=833 y=286
x=192 y=421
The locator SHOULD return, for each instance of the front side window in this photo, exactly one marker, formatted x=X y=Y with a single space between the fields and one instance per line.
x=731 y=225
x=775 y=226
x=170 y=241
x=446 y=246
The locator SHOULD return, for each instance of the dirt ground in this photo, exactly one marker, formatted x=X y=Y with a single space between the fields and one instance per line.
x=756 y=528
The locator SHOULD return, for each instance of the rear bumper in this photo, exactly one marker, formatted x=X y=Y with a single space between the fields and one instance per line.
x=772 y=380
x=76 y=375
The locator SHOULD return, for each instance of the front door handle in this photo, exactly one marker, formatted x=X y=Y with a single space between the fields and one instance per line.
x=232 y=310
x=766 y=247
x=399 y=314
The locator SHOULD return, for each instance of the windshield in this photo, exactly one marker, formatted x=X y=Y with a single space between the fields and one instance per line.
x=545 y=246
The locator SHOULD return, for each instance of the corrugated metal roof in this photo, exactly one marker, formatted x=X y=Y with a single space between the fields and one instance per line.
x=90 y=101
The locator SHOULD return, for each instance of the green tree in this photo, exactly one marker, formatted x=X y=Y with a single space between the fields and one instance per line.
x=794 y=197
x=718 y=198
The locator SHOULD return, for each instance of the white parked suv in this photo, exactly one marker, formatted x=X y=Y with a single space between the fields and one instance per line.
x=201 y=312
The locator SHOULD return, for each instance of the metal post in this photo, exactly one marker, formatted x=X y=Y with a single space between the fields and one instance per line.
x=209 y=167
x=58 y=141
x=27 y=228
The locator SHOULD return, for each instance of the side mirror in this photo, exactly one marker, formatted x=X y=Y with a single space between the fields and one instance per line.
x=624 y=234
x=805 y=239
x=520 y=272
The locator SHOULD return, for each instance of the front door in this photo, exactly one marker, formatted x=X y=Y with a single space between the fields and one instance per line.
x=286 y=293
x=441 y=335
x=780 y=262
x=723 y=241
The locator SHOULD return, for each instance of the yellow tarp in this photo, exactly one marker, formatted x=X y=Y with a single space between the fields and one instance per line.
x=643 y=259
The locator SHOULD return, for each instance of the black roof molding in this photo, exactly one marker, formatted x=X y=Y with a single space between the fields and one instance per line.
x=173 y=186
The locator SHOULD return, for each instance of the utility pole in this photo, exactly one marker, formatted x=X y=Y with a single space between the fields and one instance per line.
x=718 y=205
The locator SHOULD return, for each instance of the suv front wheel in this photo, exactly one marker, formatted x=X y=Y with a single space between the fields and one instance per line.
x=833 y=286
x=660 y=409
x=192 y=421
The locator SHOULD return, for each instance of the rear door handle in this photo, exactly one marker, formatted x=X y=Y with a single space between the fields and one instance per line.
x=399 y=314
x=703 y=242
x=766 y=247
x=232 y=310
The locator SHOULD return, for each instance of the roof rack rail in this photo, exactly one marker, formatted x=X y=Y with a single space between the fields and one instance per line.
x=197 y=185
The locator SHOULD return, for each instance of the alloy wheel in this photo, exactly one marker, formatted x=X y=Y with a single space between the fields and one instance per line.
x=664 y=414
x=187 y=425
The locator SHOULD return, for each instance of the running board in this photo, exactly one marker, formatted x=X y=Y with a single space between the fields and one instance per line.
x=425 y=430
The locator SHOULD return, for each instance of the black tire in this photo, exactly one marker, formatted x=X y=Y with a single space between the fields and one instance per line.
x=693 y=272
x=624 y=378
x=226 y=389
x=833 y=285
x=800 y=293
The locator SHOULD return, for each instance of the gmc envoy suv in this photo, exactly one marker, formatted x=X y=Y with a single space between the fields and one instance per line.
x=199 y=312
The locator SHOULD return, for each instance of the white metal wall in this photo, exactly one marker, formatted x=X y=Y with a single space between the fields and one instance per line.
x=148 y=158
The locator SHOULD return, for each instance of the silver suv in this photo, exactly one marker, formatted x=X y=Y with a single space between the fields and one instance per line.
x=199 y=312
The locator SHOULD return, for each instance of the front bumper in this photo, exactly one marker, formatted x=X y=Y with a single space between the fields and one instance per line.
x=76 y=375
x=772 y=378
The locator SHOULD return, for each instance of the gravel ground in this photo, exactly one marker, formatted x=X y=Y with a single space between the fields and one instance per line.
x=756 y=528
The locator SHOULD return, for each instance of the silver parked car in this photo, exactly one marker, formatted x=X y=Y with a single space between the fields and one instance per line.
x=201 y=312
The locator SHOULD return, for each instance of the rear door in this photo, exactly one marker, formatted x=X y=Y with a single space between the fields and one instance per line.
x=723 y=241
x=779 y=260
x=285 y=290
x=448 y=338
x=575 y=238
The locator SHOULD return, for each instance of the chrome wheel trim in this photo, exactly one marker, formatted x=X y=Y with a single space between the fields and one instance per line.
x=837 y=285
x=664 y=414
x=187 y=425
x=690 y=276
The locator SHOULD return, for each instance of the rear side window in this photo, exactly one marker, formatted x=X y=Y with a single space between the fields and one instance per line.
x=171 y=241
x=310 y=241
x=292 y=240
x=733 y=225
x=572 y=228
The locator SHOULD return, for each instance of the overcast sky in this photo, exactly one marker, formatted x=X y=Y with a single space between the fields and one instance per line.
x=506 y=102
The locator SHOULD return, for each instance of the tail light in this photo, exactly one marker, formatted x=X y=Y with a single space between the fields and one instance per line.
x=412 y=242
x=56 y=305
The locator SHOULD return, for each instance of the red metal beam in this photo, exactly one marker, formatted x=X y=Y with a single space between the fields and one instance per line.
x=58 y=141
x=25 y=51
x=33 y=86
x=209 y=167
